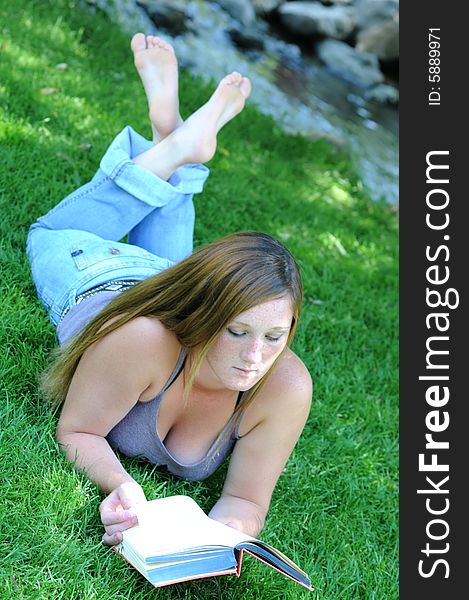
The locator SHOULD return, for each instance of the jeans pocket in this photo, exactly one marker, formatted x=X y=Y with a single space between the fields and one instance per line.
x=91 y=254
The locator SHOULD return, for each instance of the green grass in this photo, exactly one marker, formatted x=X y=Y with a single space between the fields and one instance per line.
x=334 y=509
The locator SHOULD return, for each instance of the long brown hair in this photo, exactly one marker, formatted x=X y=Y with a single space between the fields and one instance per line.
x=195 y=299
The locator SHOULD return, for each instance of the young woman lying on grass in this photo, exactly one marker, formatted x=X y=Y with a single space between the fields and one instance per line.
x=176 y=357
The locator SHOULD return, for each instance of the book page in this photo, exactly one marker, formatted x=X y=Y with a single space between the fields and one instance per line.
x=169 y=525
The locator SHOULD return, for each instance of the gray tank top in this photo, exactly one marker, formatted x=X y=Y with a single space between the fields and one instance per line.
x=136 y=435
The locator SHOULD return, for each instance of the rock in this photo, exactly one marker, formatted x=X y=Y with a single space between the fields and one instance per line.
x=383 y=93
x=126 y=13
x=360 y=68
x=248 y=38
x=338 y=2
x=372 y=12
x=264 y=7
x=313 y=18
x=241 y=10
x=166 y=14
x=381 y=39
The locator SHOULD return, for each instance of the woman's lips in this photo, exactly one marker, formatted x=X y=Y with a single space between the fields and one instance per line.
x=246 y=372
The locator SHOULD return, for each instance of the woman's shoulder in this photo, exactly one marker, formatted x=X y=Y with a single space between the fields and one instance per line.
x=145 y=337
x=289 y=378
x=141 y=346
x=284 y=398
x=149 y=328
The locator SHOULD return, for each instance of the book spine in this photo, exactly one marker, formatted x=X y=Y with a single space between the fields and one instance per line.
x=308 y=587
x=240 y=560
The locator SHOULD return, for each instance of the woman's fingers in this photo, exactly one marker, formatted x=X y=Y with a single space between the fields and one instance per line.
x=111 y=517
x=122 y=526
x=112 y=540
x=130 y=494
x=112 y=529
x=117 y=511
x=115 y=522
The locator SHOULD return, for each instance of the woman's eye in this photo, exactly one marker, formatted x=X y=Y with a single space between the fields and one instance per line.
x=269 y=338
x=235 y=333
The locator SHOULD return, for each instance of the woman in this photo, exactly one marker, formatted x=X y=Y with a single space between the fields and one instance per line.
x=180 y=358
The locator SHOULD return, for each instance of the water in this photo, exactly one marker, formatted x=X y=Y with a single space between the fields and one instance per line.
x=338 y=110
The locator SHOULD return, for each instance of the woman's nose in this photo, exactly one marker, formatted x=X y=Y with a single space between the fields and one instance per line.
x=252 y=353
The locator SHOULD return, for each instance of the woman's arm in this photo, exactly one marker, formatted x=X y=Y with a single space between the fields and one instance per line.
x=111 y=377
x=93 y=454
x=109 y=380
x=279 y=414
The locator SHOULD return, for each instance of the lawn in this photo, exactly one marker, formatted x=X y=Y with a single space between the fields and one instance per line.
x=67 y=86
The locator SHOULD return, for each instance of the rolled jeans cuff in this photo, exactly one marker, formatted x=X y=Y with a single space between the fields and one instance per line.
x=117 y=164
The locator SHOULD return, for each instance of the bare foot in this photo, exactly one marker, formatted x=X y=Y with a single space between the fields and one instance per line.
x=197 y=137
x=195 y=141
x=157 y=66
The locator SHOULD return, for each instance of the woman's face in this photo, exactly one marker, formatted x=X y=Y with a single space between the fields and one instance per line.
x=248 y=346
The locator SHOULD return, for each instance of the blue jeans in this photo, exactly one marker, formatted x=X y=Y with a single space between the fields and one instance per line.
x=75 y=246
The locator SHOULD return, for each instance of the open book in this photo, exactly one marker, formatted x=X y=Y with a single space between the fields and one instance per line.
x=176 y=541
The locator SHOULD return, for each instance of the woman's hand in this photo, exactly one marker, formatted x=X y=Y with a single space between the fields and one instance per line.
x=118 y=513
x=239 y=513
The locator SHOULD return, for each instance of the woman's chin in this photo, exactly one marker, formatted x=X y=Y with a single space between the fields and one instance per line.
x=244 y=381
